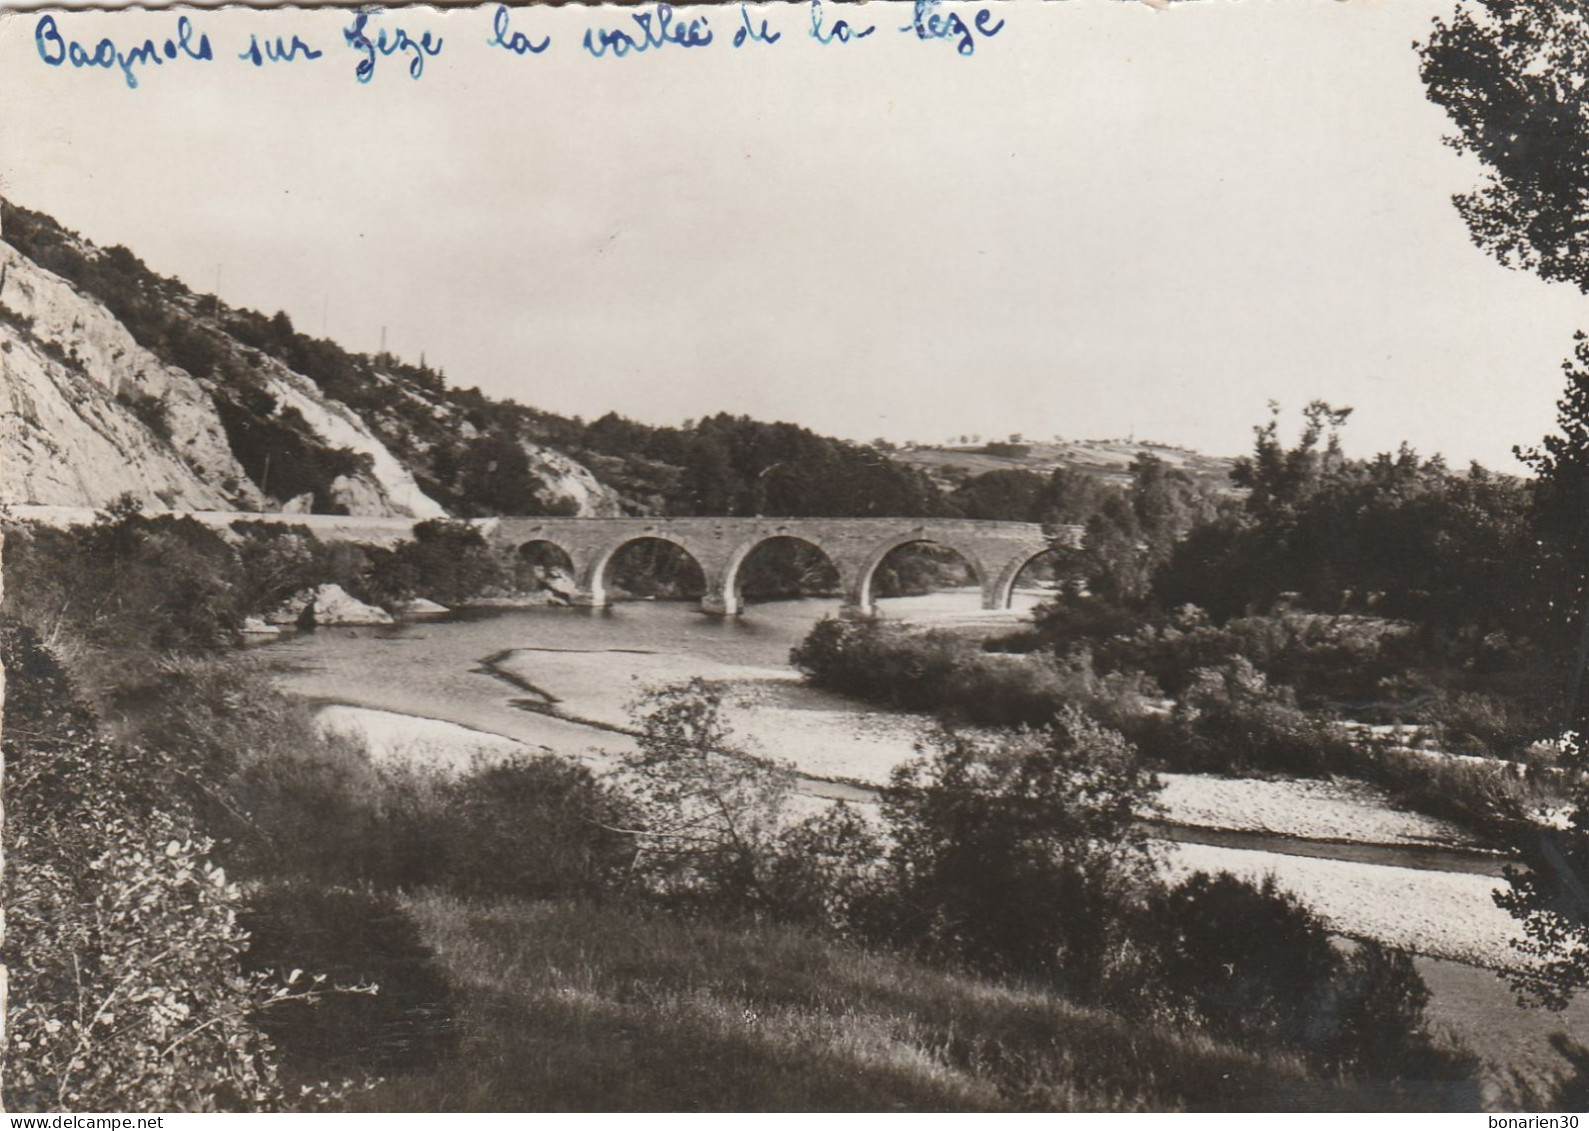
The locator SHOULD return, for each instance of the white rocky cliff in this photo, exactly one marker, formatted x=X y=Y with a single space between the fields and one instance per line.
x=69 y=376
x=87 y=415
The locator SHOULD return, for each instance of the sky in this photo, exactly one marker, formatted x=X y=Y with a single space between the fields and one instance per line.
x=1107 y=221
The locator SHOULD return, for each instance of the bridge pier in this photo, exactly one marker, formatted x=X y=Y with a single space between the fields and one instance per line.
x=588 y=597
x=856 y=610
x=721 y=603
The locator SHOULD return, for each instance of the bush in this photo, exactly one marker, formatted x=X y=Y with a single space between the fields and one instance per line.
x=705 y=814
x=1250 y=964
x=1229 y=720
x=536 y=827
x=827 y=871
x=1323 y=657
x=1246 y=963
x=1021 y=853
x=150 y=410
x=126 y=992
x=446 y=561
x=950 y=675
x=130 y=583
x=1478 y=724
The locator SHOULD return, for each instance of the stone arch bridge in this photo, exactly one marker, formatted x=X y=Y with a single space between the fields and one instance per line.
x=996 y=552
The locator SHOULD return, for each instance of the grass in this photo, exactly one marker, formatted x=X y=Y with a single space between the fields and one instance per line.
x=565 y=1006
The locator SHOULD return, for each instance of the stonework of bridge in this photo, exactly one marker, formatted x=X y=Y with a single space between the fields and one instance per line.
x=996 y=552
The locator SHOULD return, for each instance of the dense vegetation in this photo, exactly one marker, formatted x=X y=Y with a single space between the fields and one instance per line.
x=1265 y=631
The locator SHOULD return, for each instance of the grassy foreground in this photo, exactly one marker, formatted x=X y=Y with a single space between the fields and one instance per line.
x=565 y=1006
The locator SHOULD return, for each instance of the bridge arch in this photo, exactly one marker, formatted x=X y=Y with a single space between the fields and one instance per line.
x=597 y=574
x=728 y=599
x=539 y=556
x=1003 y=591
x=858 y=597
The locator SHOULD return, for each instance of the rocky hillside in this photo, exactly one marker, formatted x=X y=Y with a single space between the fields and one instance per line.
x=86 y=413
x=114 y=380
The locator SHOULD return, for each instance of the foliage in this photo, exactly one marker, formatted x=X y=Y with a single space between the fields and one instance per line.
x=150 y=410
x=654 y=567
x=537 y=827
x=570 y=1006
x=946 y=673
x=126 y=991
x=1548 y=897
x=529 y=826
x=1396 y=536
x=1244 y=962
x=1230 y=720
x=1251 y=964
x=827 y=871
x=1019 y=854
x=1323 y=656
x=360 y=938
x=282 y=454
x=1561 y=513
x=445 y=561
x=491 y=475
x=1510 y=76
x=787 y=567
x=129 y=584
x=275 y=561
x=705 y=814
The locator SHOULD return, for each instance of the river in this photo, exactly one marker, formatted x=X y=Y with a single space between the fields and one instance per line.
x=563 y=680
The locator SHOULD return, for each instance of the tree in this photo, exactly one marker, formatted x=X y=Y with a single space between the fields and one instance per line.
x=1020 y=853
x=1511 y=74
x=707 y=815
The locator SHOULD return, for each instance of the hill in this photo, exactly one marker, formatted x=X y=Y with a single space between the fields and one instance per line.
x=1106 y=460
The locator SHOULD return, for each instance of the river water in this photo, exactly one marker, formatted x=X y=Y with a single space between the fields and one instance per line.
x=565 y=679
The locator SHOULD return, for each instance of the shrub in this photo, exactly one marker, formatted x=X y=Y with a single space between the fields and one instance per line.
x=1229 y=720
x=125 y=588
x=150 y=410
x=1321 y=656
x=446 y=561
x=1019 y=853
x=1249 y=963
x=948 y=674
x=1478 y=724
x=1244 y=962
x=276 y=560
x=827 y=871
x=705 y=815
x=126 y=991
x=532 y=826
x=1381 y=1029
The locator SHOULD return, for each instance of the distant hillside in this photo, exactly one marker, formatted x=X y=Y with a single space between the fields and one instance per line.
x=1108 y=460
